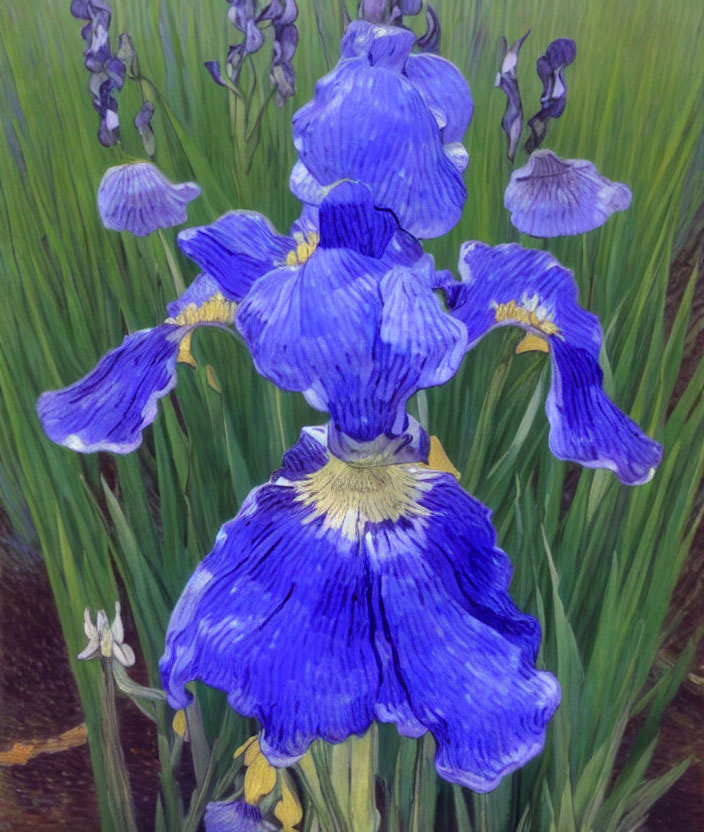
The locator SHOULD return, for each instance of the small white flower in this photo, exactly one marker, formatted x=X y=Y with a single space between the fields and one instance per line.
x=106 y=640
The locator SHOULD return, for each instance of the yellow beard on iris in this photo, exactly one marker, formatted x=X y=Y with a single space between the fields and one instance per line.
x=304 y=248
x=348 y=497
x=216 y=310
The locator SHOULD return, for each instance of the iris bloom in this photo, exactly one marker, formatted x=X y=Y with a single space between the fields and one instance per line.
x=349 y=589
x=392 y=120
x=553 y=197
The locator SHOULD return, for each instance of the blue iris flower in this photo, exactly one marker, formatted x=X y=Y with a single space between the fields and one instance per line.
x=348 y=589
x=393 y=120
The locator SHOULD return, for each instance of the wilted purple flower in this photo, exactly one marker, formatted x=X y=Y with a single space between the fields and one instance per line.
x=512 y=122
x=142 y=121
x=282 y=75
x=107 y=71
x=244 y=15
x=388 y=11
x=430 y=40
x=553 y=197
x=138 y=198
x=559 y=54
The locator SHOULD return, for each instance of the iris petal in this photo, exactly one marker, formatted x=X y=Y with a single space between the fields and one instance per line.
x=236 y=249
x=340 y=594
x=445 y=91
x=508 y=284
x=233 y=816
x=553 y=197
x=138 y=198
x=356 y=337
x=108 y=409
x=369 y=122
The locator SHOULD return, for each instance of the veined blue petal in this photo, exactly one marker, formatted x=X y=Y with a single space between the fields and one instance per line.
x=510 y=285
x=233 y=816
x=355 y=335
x=341 y=594
x=108 y=409
x=369 y=122
x=236 y=249
x=553 y=197
x=138 y=198
x=349 y=220
x=445 y=90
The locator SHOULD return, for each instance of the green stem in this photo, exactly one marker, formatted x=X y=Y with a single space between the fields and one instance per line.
x=353 y=777
x=119 y=791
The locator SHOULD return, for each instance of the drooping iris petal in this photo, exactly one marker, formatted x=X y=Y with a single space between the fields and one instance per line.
x=341 y=594
x=356 y=327
x=510 y=285
x=233 y=816
x=368 y=121
x=138 y=198
x=512 y=122
x=551 y=67
x=553 y=197
x=236 y=249
x=108 y=409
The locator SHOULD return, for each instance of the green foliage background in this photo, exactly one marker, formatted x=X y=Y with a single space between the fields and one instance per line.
x=598 y=569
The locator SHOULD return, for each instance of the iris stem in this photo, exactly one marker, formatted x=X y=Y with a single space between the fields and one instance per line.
x=119 y=791
x=353 y=776
x=176 y=276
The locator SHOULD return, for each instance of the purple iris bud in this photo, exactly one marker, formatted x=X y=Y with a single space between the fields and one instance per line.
x=242 y=15
x=512 y=122
x=388 y=11
x=374 y=11
x=107 y=71
x=142 y=122
x=553 y=197
x=559 y=54
x=430 y=40
x=213 y=68
x=282 y=12
x=282 y=75
x=138 y=198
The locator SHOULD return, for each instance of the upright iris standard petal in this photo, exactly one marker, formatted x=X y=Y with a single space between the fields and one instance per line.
x=108 y=409
x=512 y=122
x=341 y=594
x=355 y=327
x=236 y=249
x=551 y=67
x=371 y=121
x=233 y=816
x=446 y=93
x=138 y=198
x=508 y=284
x=553 y=197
